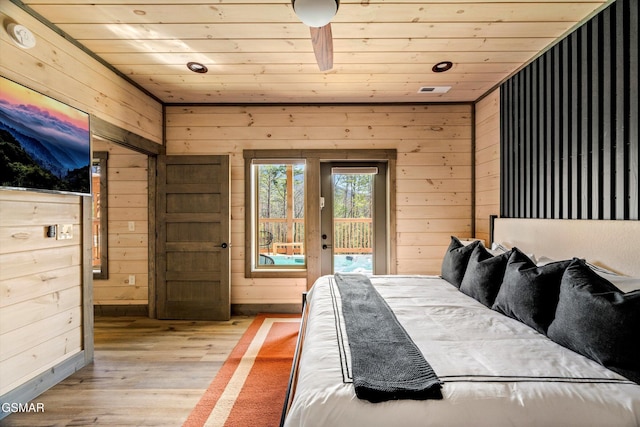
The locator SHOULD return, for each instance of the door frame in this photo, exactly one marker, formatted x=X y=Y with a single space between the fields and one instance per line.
x=380 y=212
x=221 y=308
x=113 y=133
x=313 y=230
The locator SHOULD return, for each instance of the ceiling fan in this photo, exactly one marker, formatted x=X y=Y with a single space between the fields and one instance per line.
x=317 y=15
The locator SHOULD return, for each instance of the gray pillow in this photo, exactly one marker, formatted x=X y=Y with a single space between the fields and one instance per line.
x=596 y=319
x=455 y=261
x=529 y=293
x=484 y=275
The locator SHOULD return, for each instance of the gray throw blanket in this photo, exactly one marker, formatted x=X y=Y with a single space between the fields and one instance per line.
x=387 y=364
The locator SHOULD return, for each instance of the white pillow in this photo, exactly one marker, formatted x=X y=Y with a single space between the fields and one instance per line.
x=624 y=283
x=543 y=260
x=469 y=240
x=498 y=248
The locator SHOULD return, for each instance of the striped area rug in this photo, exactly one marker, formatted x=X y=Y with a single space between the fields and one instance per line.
x=250 y=388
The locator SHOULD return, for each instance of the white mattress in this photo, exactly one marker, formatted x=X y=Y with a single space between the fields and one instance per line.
x=496 y=371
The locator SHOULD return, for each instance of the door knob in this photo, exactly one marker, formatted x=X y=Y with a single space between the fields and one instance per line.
x=325 y=246
x=224 y=246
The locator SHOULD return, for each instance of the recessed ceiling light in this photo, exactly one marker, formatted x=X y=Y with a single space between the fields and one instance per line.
x=197 y=67
x=441 y=67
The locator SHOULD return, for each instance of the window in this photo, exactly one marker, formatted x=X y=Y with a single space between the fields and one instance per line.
x=99 y=227
x=307 y=242
x=278 y=210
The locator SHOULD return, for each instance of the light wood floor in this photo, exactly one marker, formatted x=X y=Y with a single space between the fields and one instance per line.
x=146 y=373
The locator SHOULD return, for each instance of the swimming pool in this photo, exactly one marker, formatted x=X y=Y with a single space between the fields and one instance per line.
x=360 y=263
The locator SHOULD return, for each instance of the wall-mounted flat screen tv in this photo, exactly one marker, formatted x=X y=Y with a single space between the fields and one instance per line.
x=44 y=144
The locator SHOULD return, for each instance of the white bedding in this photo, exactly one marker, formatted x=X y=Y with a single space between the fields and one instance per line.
x=496 y=371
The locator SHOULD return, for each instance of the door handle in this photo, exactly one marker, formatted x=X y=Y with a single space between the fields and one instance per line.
x=325 y=246
x=224 y=246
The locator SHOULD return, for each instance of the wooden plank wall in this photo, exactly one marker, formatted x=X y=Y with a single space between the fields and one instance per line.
x=40 y=285
x=433 y=170
x=60 y=70
x=41 y=318
x=487 y=161
x=128 y=249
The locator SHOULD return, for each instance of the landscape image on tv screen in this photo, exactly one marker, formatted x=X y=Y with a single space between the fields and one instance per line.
x=44 y=144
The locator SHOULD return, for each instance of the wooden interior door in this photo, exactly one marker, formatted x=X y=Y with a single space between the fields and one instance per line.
x=193 y=260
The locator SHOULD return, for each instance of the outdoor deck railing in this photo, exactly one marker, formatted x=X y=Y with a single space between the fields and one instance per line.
x=351 y=235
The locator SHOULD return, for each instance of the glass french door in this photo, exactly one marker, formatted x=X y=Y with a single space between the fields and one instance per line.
x=354 y=217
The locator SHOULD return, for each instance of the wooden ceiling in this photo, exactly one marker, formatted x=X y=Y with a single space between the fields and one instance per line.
x=259 y=51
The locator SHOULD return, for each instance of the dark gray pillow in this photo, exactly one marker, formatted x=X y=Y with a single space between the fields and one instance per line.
x=484 y=275
x=596 y=319
x=455 y=261
x=529 y=293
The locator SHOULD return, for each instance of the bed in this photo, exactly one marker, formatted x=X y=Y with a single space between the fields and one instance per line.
x=495 y=369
